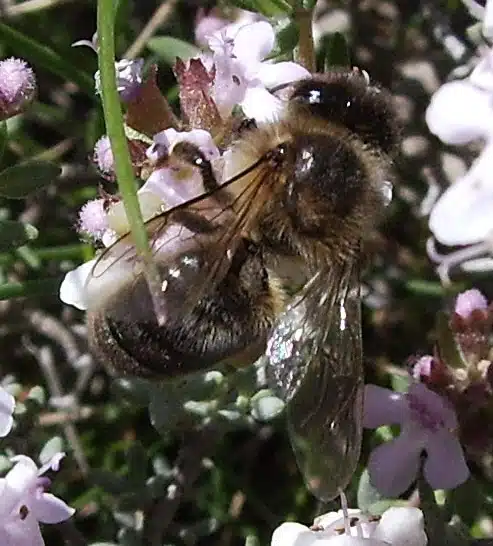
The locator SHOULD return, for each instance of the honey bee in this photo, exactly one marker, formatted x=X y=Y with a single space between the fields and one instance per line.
x=300 y=197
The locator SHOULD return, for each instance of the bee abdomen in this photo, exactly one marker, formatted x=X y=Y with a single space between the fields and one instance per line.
x=234 y=319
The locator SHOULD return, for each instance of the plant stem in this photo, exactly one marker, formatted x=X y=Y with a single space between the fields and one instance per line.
x=123 y=166
x=305 y=52
x=157 y=20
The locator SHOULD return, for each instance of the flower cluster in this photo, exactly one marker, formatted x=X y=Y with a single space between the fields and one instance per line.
x=24 y=502
x=459 y=113
x=445 y=412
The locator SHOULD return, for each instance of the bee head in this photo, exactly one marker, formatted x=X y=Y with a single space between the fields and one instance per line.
x=347 y=99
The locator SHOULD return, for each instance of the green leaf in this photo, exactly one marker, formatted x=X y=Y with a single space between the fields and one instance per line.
x=137 y=465
x=165 y=408
x=40 y=55
x=367 y=493
x=168 y=48
x=449 y=349
x=108 y=481
x=51 y=448
x=336 y=51
x=269 y=8
x=19 y=181
x=43 y=287
x=287 y=36
x=15 y=234
x=265 y=406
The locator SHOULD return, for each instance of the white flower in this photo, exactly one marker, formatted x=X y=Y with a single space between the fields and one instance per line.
x=242 y=77
x=7 y=406
x=72 y=289
x=461 y=112
x=166 y=187
x=24 y=503
x=398 y=526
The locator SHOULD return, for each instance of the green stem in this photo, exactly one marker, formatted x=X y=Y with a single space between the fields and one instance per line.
x=123 y=167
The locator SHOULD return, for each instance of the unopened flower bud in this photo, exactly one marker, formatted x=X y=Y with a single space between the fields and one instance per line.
x=93 y=220
x=469 y=301
x=17 y=87
x=103 y=156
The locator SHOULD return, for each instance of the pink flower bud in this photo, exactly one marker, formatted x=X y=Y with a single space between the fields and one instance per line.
x=17 y=87
x=469 y=301
x=103 y=156
x=93 y=220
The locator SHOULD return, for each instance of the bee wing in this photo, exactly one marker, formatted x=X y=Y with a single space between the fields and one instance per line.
x=192 y=243
x=315 y=364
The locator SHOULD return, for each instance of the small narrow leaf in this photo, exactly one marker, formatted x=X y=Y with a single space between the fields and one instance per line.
x=3 y=137
x=168 y=48
x=51 y=448
x=19 y=181
x=15 y=234
x=337 y=51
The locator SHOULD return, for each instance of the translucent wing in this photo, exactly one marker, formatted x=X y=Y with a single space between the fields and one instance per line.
x=315 y=364
x=193 y=244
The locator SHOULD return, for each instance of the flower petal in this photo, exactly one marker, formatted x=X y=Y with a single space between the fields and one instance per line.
x=22 y=532
x=429 y=408
x=478 y=265
x=20 y=479
x=73 y=287
x=274 y=74
x=292 y=534
x=261 y=105
x=393 y=466
x=472 y=113
x=53 y=463
x=482 y=75
x=167 y=184
x=50 y=509
x=462 y=215
x=333 y=522
x=445 y=466
x=7 y=405
x=403 y=526
x=254 y=42
x=383 y=407
x=488 y=19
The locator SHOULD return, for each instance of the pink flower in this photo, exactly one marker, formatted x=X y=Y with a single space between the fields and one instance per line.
x=103 y=156
x=428 y=423
x=242 y=77
x=17 y=87
x=24 y=503
x=469 y=301
x=93 y=220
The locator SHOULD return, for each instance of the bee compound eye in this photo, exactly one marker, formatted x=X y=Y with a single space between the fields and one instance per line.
x=279 y=154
